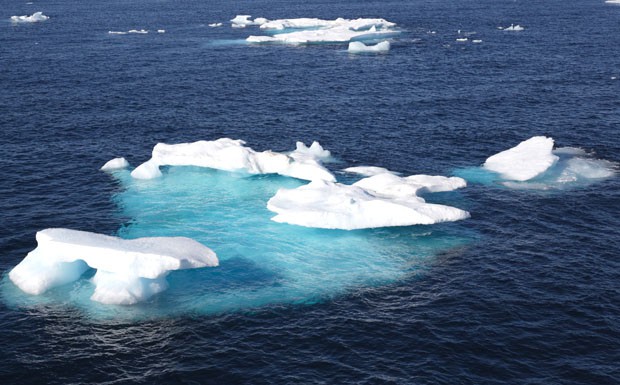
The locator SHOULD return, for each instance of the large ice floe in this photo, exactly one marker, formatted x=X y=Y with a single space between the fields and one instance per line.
x=231 y=155
x=382 y=200
x=535 y=164
x=312 y=30
x=34 y=18
x=128 y=270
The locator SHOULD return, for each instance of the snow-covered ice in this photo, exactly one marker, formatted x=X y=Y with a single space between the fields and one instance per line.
x=527 y=160
x=359 y=47
x=128 y=270
x=382 y=200
x=515 y=28
x=35 y=17
x=115 y=164
x=215 y=25
x=367 y=170
x=241 y=21
x=231 y=155
x=309 y=30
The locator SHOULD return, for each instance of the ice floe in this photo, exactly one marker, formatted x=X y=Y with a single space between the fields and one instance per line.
x=367 y=170
x=115 y=164
x=382 y=200
x=534 y=164
x=512 y=27
x=215 y=25
x=241 y=21
x=612 y=1
x=134 y=31
x=525 y=161
x=35 y=17
x=128 y=270
x=231 y=155
x=359 y=47
x=308 y=31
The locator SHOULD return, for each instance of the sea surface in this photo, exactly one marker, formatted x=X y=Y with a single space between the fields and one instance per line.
x=526 y=291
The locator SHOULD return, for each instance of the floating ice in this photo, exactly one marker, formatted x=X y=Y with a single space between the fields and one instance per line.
x=128 y=271
x=513 y=27
x=382 y=200
x=476 y=41
x=215 y=25
x=115 y=164
x=315 y=151
x=35 y=17
x=525 y=161
x=231 y=155
x=535 y=165
x=612 y=1
x=241 y=21
x=359 y=47
x=367 y=170
x=161 y=31
x=462 y=39
x=307 y=31
x=138 y=31
x=117 y=33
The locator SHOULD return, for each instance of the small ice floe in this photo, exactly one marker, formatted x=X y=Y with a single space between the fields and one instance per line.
x=215 y=25
x=612 y=2
x=462 y=39
x=242 y=21
x=476 y=41
x=231 y=155
x=115 y=164
x=534 y=164
x=614 y=77
x=368 y=170
x=128 y=270
x=513 y=27
x=359 y=47
x=161 y=31
x=138 y=31
x=117 y=33
x=431 y=32
x=382 y=200
x=34 y=18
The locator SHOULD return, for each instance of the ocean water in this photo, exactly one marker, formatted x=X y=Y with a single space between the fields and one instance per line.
x=523 y=292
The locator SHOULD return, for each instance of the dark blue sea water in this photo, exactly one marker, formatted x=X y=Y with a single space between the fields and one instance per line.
x=526 y=291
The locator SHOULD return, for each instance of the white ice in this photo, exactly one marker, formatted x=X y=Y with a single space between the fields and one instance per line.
x=379 y=201
x=359 y=47
x=115 y=164
x=128 y=271
x=231 y=155
x=138 y=31
x=35 y=17
x=527 y=160
x=241 y=21
x=612 y=1
x=368 y=170
x=513 y=27
x=307 y=30
x=215 y=25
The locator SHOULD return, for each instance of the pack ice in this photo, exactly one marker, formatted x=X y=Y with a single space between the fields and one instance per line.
x=381 y=200
x=231 y=155
x=128 y=271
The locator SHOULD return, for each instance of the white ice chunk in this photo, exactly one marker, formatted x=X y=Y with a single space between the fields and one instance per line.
x=514 y=28
x=612 y=1
x=117 y=33
x=307 y=30
x=358 y=47
x=215 y=25
x=315 y=151
x=35 y=17
x=525 y=161
x=138 y=31
x=368 y=170
x=115 y=164
x=231 y=155
x=128 y=271
x=241 y=21
x=161 y=31
x=380 y=201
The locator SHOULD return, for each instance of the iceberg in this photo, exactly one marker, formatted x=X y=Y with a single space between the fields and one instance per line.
x=359 y=47
x=527 y=160
x=231 y=155
x=383 y=200
x=115 y=164
x=35 y=17
x=128 y=270
x=308 y=31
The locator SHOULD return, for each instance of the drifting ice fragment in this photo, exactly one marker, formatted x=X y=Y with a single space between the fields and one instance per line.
x=525 y=161
x=128 y=271
x=514 y=28
x=215 y=25
x=35 y=17
x=231 y=155
x=367 y=170
x=115 y=164
x=379 y=201
x=241 y=21
x=359 y=47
